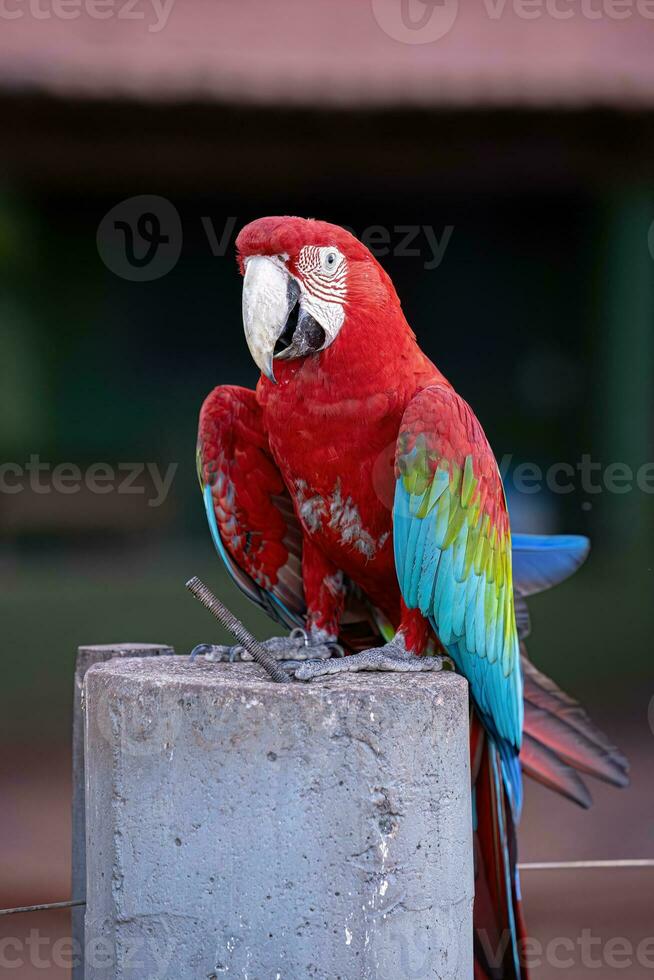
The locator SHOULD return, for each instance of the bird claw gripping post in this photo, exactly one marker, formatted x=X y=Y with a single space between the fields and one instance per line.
x=237 y=629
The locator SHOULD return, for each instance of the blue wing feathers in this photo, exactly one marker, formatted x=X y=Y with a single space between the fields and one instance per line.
x=418 y=542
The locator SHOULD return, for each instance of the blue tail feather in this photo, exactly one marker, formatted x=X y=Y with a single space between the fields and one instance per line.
x=541 y=561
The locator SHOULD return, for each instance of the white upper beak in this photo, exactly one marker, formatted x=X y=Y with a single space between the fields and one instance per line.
x=267 y=302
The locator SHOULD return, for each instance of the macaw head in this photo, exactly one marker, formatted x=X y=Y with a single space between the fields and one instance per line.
x=303 y=280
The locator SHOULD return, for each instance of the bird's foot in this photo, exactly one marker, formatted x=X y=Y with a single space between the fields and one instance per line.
x=392 y=656
x=291 y=650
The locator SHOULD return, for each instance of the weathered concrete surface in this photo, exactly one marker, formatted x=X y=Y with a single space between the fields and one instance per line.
x=240 y=828
x=86 y=656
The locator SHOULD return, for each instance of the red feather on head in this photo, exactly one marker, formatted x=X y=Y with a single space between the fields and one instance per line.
x=283 y=234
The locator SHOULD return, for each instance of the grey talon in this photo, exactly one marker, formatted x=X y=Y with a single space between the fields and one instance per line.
x=392 y=656
x=199 y=650
x=298 y=647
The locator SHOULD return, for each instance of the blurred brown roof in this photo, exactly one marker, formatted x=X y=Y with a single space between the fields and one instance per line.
x=334 y=52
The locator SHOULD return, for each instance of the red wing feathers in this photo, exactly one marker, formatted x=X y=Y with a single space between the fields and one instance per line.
x=254 y=516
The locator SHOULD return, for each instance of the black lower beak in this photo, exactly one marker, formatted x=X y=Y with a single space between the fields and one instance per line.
x=302 y=335
x=285 y=340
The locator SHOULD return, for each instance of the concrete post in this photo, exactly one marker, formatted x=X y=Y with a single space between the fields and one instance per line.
x=86 y=656
x=240 y=828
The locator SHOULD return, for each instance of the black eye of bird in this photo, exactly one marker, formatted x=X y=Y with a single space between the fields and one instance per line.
x=331 y=258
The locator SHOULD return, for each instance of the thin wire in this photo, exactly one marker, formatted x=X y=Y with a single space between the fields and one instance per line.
x=529 y=866
x=43 y=908
x=583 y=865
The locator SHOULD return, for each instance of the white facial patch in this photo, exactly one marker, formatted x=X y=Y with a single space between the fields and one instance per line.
x=330 y=316
x=323 y=279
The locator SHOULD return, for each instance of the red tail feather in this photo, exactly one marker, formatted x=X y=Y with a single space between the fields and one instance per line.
x=498 y=923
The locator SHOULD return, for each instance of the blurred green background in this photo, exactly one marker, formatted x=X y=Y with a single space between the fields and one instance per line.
x=541 y=313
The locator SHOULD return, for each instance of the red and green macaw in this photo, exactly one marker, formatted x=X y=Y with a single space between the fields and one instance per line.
x=354 y=496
